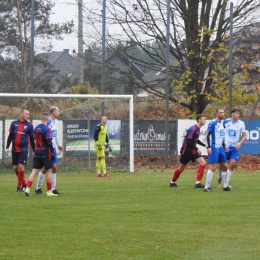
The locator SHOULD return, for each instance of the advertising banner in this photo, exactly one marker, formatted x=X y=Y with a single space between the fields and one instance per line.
x=80 y=140
x=252 y=143
x=149 y=138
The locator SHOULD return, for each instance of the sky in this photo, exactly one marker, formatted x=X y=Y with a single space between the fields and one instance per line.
x=64 y=12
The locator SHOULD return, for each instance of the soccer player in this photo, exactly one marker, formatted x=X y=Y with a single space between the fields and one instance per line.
x=189 y=152
x=235 y=136
x=53 y=124
x=20 y=132
x=216 y=148
x=43 y=155
x=101 y=138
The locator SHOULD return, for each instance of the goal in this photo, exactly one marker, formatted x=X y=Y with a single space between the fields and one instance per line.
x=80 y=113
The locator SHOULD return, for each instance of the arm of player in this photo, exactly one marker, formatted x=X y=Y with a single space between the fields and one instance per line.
x=97 y=130
x=208 y=142
x=32 y=142
x=9 y=140
x=238 y=145
x=51 y=153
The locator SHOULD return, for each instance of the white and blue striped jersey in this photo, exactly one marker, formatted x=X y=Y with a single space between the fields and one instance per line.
x=233 y=131
x=53 y=124
x=217 y=133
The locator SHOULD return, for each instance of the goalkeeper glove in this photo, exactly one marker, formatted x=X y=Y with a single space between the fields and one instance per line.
x=108 y=146
x=99 y=145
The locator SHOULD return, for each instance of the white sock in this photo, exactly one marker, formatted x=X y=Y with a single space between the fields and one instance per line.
x=39 y=180
x=208 y=178
x=229 y=175
x=225 y=180
x=53 y=181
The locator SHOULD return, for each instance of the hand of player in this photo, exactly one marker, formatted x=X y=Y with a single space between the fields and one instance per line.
x=199 y=152
x=108 y=146
x=226 y=148
x=238 y=145
x=7 y=151
x=60 y=148
x=99 y=145
x=209 y=150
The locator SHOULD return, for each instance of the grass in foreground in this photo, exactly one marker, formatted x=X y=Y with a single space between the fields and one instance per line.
x=131 y=216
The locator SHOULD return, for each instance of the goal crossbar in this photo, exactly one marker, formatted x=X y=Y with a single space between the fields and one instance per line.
x=131 y=110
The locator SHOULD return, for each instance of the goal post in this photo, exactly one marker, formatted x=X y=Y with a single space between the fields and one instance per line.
x=91 y=96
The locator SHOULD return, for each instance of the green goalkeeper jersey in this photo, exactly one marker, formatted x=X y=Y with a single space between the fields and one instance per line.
x=101 y=134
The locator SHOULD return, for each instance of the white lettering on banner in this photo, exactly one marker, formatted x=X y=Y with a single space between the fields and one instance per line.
x=252 y=135
x=71 y=131
x=73 y=126
x=151 y=135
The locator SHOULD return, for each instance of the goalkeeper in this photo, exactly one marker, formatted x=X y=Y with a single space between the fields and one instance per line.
x=101 y=141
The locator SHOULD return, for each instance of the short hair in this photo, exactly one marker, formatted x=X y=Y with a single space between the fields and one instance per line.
x=219 y=109
x=24 y=109
x=234 y=110
x=45 y=116
x=199 y=116
x=53 y=108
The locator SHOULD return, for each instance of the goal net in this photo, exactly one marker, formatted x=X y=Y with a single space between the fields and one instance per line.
x=79 y=115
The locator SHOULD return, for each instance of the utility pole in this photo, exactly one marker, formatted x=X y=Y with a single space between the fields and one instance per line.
x=32 y=45
x=80 y=43
x=103 y=53
x=230 y=58
x=167 y=54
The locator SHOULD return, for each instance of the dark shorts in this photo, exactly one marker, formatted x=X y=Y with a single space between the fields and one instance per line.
x=39 y=162
x=19 y=157
x=188 y=156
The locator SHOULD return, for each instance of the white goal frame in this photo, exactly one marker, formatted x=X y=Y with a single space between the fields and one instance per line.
x=131 y=111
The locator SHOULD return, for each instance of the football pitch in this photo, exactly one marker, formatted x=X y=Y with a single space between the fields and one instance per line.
x=131 y=216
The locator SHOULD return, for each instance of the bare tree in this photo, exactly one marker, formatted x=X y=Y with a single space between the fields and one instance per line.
x=198 y=44
x=15 y=33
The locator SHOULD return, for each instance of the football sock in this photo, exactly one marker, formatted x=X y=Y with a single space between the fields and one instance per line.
x=224 y=178
x=53 y=181
x=20 y=178
x=98 y=166
x=200 y=173
x=103 y=165
x=29 y=184
x=229 y=175
x=49 y=186
x=176 y=175
x=208 y=178
x=39 y=180
x=16 y=172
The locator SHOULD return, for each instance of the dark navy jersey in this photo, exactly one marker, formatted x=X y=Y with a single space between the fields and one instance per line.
x=21 y=133
x=193 y=133
x=42 y=134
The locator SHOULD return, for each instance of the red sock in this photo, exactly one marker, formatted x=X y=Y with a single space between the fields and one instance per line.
x=20 y=178
x=49 y=186
x=18 y=183
x=29 y=184
x=176 y=175
x=200 y=173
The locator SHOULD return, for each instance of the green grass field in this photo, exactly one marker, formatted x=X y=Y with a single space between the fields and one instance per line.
x=131 y=216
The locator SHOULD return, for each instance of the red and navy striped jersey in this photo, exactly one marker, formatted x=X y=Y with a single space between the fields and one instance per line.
x=42 y=133
x=21 y=133
x=193 y=134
